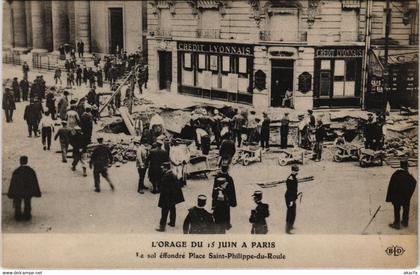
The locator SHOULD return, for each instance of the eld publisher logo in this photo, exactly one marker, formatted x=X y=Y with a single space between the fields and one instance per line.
x=394 y=251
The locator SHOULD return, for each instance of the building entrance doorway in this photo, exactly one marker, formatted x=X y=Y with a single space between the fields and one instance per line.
x=165 y=70
x=281 y=80
x=116 y=30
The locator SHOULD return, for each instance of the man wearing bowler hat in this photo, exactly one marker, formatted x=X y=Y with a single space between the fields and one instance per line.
x=258 y=215
x=157 y=157
x=291 y=197
x=198 y=220
x=170 y=195
x=401 y=188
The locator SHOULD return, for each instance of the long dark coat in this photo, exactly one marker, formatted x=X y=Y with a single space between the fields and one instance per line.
x=8 y=101
x=24 y=184
x=156 y=158
x=401 y=187
x=32 y=115
x=227 y=149
x=170 y=190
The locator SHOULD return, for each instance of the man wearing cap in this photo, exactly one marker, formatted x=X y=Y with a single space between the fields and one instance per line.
x=258 y=215
x=142 y=162
x=319 y=140
x=400 y=189
x=291 y=197
x=217 y=126
x=63 y=104
x=8 y=104
x=157 y=157
x=100 y=159
x=239 y=122
x=64 y=134
x=223 y=198
x=170 y=195
x=23 y=186
x=198 y=220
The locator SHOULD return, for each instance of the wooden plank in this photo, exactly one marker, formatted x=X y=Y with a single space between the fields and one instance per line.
x=128 y=120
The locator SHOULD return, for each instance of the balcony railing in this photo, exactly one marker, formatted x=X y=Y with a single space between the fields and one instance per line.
x=284 y=36
x=414 y=39
x=347 y=36
x=208 y=33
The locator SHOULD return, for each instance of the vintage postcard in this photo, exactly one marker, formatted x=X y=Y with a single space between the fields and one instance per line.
x=210 y=134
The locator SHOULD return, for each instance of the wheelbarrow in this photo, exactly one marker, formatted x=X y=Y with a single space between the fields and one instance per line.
x=346 y=152
x=369 y=157
x=249 y=155
x=294 y=156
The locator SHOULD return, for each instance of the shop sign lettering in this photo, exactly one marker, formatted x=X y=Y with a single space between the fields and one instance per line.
x=338 y=52
x=216 y=48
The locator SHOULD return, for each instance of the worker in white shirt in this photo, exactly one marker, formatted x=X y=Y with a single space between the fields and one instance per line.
x=47 y=128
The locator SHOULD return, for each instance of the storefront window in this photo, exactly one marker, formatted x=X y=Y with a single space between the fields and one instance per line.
x=201 y=61
x=187 y=61
x=226 y=63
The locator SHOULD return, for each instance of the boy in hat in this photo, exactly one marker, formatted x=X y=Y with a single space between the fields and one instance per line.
x=258 y=215
x=100 y=159
x=198 y=220
x=291 y=196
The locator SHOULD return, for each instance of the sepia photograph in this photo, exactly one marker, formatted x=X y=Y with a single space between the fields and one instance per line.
x=210 y=134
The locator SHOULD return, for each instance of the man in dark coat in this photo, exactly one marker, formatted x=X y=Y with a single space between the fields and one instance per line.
x=291 y=196
x=157 y=157
x=370 y=132
x=319 y=140
x=23 y=186
x=80 y=48
x=100 y=159
x=64 y=135
x=227 y=150
x=170 y=195
x=32 y=116
x=91 y=96
x=77 y=141
x=265 y=131
x=198 y=220
x=400 y=189
x=35 y=89
x=25 y=69
x=79 y=73
x=16 y=89
x=223 y=198
x=284 y=130
x=50 y=104
x=8 y=104
x=258 y=215
x=86 y=123
x=24 y=88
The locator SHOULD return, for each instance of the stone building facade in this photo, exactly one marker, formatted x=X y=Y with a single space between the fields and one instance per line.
x=254 y=51
x=42 y=26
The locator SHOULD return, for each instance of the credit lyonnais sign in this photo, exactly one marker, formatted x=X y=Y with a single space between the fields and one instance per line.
x=338 y=53
x=213 y=48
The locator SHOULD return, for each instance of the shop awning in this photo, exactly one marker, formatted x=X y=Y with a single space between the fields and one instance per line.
x=375 y=66
x=404 y=58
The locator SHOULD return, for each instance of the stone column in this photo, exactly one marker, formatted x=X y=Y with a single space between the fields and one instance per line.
x=7 y=26
x=82 y=13
x=38 y=27
x=28 y=14
x=59 y=23
x=19 y=25
x=48 y=25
